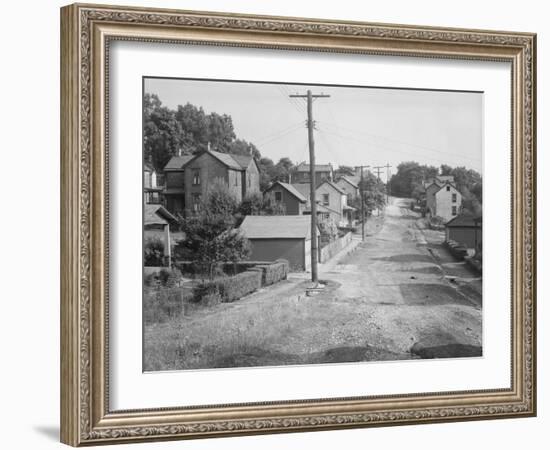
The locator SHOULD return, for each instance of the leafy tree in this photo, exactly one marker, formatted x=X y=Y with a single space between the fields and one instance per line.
x=257 y=204
x=210 y=235
x=267 y=172
x=242 y=147
x=163 y=134
x=344 y=170
x=374 y=193
x=153 y=252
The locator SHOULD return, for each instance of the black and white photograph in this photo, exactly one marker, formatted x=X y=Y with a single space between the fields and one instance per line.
x=293 y=224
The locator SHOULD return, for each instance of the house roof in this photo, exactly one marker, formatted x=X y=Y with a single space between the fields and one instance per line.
x=242 y=160
x=148 y=167
x=236 y=162
x=303 y=189
x=290 y=188
x=177 y=162
x=277 y=227
x=463 y=221
x=440 y=186
x=157 y=215
x=303 y=167
x=333 y=185
x=349 y=180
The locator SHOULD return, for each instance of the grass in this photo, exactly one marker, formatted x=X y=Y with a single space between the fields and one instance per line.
x=276 y=330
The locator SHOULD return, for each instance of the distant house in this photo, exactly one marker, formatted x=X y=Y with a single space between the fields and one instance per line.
x=286 y=194
x=152 y=193
x=300 y=174
x=188 y=178
x=332 y=202
x=156 y=224
x=280 y=237
x=465 y=229
x=335 y=199
x=443 y=200
x=349 y=186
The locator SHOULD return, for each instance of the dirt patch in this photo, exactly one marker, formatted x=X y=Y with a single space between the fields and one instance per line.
x=355 y=354
x=410 y=258
x=447 y=351
x=432 y=294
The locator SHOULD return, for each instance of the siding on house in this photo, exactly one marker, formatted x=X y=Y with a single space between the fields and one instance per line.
x=189 y=177
x=443 y=200
x=292 y=200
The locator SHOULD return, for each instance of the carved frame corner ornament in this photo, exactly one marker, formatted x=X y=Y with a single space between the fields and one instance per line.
x=86 y=31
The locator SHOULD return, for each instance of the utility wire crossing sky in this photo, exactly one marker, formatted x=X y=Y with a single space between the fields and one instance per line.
x=355 y=126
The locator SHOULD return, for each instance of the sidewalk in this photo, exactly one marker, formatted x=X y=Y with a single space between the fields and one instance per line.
x=332 y=262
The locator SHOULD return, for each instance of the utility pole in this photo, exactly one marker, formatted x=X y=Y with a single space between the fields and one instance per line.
x=310 y=126
x=378 y=169
x=361 y=192
x=388 y=186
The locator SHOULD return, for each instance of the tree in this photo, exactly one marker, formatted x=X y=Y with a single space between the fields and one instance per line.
x=374 y=193
x=267 y=172
x=163 y=135
x=210 y=236
x=242 y=147
x=257 y=204
x=344 y=170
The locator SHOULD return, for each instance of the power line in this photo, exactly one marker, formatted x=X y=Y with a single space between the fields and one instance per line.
x=375 y=136
x=310 y=125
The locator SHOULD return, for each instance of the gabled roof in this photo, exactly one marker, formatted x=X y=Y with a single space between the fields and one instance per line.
x=303 y=167
x=303 y=189
x=148 y=167
x=441 y=186
x=333 y=185
x=236 y=162
x=464 y=220
x=290 y=188
x=243 y=160
x=277 y=227
x=349 y=180
x=157 y=215
x=177 y=162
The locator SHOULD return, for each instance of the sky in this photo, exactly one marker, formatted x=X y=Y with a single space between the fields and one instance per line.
x=354 y=126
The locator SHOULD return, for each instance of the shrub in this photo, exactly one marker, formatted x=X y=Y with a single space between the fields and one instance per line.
x=163 y=278
x=273 y=273
x=154 y=252
x=160 y=305
x=230 y=288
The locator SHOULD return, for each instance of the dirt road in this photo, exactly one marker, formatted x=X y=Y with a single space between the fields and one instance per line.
x=398 y=295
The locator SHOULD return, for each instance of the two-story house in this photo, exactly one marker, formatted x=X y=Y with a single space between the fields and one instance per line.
x=188 y=178
x=331 y=202
x=349 y=186
x=443 y=200
x=293 y=201
x=300 y=174
x=152 y=192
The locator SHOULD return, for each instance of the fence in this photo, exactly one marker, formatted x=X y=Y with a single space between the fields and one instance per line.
x=329 y=250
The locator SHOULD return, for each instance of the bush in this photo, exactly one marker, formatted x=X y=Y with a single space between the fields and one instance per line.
x=160 y=305
x=229 y=288
x=154 y=252
x=273 y=273
x=163 y=278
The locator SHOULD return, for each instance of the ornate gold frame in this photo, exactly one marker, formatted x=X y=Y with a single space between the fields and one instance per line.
x=86 y=31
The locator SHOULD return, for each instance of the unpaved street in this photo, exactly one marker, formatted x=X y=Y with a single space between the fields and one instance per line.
x=398 y=295
x=418 y=293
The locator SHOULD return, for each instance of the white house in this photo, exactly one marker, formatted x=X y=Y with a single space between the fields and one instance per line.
x=443 y=200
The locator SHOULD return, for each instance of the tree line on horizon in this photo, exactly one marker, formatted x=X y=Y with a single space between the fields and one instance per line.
x=410 y=177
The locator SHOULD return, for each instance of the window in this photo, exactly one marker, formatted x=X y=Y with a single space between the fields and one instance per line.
x=196 y=198
x=325 y=199
x=454 y=211
x=249 y=182
x=196 y=177
x=454 y=198
x=278 y=196
x=236 y=178
x=448 y=188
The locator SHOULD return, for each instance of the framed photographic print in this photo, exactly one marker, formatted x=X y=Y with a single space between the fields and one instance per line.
x=275 y=224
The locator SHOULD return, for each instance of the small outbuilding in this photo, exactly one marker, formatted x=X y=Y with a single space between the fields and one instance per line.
x=280 y=237
x=465 y=229
x=156 y=225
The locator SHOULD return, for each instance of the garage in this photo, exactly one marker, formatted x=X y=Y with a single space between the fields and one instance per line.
x=280 y=237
